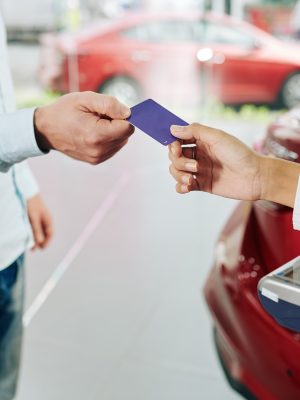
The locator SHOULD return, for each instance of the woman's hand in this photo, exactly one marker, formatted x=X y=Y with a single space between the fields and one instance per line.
x=219 y=164
x=41 y=222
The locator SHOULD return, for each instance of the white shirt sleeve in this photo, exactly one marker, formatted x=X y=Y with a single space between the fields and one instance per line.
x=25 y=180
x=17 y=138
x=296 y=212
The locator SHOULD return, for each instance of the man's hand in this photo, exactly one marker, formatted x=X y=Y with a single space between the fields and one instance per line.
x=41 y=222
x=222 y=164
x=86 y=126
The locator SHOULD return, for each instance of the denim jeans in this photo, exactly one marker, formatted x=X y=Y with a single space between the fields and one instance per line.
x=11 y=328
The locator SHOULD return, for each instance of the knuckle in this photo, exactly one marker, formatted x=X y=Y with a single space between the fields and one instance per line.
x=75 y=97
x=171 y=169
x=96 y=153
x=92 y=140
x=112 y=100
x=93 y=161
x=107 y=103
x=84 y=97
x=194 y=126
x=178 y=189
x=87 y=93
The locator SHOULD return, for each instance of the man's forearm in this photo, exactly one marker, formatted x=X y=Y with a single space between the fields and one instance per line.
x=280 y=181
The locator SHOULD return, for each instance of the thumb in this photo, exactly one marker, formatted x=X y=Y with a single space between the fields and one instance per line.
x=194 y=132
x=182 y=132
x=107 y=105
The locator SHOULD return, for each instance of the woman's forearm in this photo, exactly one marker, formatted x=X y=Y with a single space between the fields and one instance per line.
x=279 y=180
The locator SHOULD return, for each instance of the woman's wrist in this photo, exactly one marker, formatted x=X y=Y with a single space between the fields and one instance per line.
x=279 y=180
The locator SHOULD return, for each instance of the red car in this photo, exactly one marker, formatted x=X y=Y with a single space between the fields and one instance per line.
x=183 y=56
x=260 y=358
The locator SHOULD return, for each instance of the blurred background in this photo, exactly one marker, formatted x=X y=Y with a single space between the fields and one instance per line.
x=114 y=306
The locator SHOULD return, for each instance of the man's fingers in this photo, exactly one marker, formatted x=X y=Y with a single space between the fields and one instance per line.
x=121 y=129
x=109 y=131
x=106 y=105
x=115 y=149
x=38 y=233
x=110 y=152
x=47 y=228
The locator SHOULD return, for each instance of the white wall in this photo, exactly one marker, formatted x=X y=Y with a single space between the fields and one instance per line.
x=237 y=6
x=218 y=6
x=28 y=13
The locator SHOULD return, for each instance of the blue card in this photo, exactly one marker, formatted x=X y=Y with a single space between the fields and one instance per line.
x=155 y=120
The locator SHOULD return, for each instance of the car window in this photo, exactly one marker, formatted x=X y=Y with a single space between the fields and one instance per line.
x=136 y=33
x=224 y=34
x=165 y=31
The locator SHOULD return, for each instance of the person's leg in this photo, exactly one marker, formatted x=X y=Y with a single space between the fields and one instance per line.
x=11 y=310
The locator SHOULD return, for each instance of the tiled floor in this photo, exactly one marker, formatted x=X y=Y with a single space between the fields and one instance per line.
x=127 y=320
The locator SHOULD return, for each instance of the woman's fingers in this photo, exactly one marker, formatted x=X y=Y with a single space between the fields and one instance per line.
x=191 y=133
x=182 y=177
x=185 y=133
x=183 y=163
x=175 y=149
x=185 y=182
x=183 y=188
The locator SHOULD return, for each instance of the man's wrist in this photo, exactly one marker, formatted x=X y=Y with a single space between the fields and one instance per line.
x=39 y=131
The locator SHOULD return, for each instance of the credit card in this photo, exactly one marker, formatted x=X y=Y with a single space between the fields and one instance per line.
x=155 y=120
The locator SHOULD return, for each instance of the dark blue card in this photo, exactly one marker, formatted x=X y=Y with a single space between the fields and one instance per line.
x=155 y=120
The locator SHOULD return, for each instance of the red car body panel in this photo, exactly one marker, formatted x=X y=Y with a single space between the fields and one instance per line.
x=254 y=74
x=257 y=352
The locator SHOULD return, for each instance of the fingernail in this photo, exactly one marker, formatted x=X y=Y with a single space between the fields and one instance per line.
x=186 y=179
x=125 y=112
x=177 y=128
x=191 y=167
x=184 y=188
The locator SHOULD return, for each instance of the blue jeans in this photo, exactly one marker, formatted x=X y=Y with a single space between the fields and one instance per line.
x=11 y=327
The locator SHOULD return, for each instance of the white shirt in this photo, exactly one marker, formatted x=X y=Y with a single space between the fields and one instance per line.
x=296 y=211
x=17 y=142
